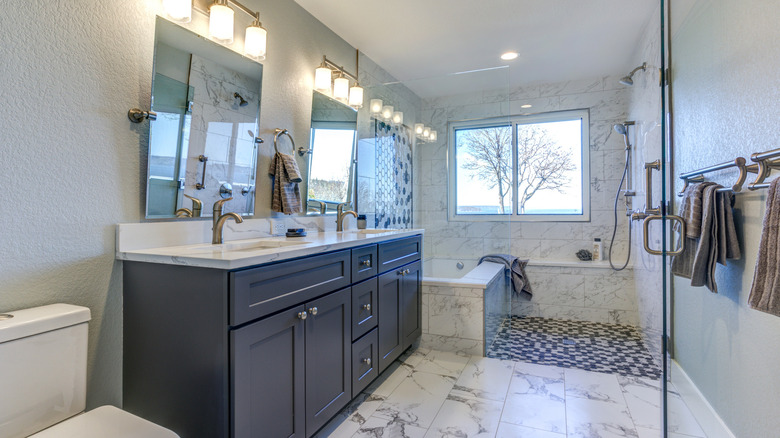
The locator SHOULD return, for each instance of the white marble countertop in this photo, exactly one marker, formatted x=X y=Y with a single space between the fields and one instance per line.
x=237 y=254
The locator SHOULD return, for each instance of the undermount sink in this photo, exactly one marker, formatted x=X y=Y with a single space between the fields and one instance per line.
x=251 y=245
x=371 y=231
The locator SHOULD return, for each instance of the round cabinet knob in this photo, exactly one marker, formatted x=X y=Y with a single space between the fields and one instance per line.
x=406 y=272
x=367 y=361
x=366 y=263
x=401 y=272
x=367 y=307
x=313 y=311
x=302 y=315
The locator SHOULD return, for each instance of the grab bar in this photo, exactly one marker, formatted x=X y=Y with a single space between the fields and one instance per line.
x=202 y=184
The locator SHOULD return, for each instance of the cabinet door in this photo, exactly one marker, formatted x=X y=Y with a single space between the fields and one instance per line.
x=268 y=377
x=389 y=343
x=411 y=301
x=328 y=358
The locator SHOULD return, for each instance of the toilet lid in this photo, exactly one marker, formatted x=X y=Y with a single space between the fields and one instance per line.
x=106 y=421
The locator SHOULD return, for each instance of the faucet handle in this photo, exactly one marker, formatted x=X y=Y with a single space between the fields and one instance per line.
x=219 y=204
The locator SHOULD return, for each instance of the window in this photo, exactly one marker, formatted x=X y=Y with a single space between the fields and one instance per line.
x=532 y=168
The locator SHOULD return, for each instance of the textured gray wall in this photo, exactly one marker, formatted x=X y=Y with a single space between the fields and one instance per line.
x=727 y=97
x=73 y=166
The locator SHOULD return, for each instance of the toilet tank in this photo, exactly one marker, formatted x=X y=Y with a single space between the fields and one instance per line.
x=43 y=367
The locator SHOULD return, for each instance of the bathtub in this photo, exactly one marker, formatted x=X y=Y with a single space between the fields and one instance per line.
x=463 y=307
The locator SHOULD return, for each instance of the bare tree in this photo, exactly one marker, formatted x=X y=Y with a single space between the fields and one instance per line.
x=490 y=151
x=541 y=163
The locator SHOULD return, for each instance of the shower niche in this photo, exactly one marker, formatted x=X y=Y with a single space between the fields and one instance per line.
x=203 y=142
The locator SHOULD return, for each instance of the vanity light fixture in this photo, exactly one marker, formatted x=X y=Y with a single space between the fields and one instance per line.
x=255 y=40
x=221 y=22
x=426 y=133
x=398 y=118
x=322 y=76
x=375 y=106
x=433 y=136
x=341 y=88
x=418 y=129
x=179 y=11
x=356 y=96
x=352 y=96
x=387 y=113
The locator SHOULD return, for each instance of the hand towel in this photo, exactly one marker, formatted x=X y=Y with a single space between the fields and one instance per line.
x=691 y=212
x=765 y=292
x=703 y=268
x=286 y=195
x=516 y=268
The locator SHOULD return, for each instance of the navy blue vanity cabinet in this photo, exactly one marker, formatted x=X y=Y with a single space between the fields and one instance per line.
x=270 y=351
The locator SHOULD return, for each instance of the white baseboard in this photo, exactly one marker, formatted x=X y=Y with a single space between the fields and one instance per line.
x=708 y=419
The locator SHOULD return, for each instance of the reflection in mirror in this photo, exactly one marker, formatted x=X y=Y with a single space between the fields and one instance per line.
x=202 y=147
x=331 y=167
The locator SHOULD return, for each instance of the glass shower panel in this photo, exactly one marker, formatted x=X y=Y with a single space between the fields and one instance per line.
x=463 y=199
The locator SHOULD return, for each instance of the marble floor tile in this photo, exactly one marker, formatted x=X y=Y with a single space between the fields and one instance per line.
x=533 y=369
x=508 y=430
x=349 y=420
x=586 y=418
x=443 y=363
x=413 y=356
x=681 y=420
x=466 y=417
x=389 y=380
x=377 y=427
x=536 y=402
x=417 y=400
x=593 y=386
x=644 y=432
x=643 y=397
x=485 y=378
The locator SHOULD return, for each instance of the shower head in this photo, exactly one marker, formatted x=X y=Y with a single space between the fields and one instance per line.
x=620 y=129
x=241 y=102
x=629 y=80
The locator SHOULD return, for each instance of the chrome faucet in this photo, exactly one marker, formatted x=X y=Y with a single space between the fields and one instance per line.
x=218 y=220
x=340 y=215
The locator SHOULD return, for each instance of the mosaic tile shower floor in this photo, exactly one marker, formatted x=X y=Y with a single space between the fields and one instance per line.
x=605 y=348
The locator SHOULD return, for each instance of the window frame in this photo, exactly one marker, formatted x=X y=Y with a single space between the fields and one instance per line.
x=512 y=122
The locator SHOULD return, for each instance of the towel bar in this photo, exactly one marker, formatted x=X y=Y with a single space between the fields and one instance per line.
x=764 y=163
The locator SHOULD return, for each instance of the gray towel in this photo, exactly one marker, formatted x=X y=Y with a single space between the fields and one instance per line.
x=717 y=237
x=765 y=292
x=516 y=268
x=286 y=196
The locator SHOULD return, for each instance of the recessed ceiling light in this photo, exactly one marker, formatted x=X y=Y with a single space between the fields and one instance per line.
x=508 y=56
x=528 y=105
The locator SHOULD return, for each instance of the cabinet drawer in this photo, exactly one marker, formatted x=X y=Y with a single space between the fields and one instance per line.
x=399 y=252
x=363 y=263
x=260 y=291
x=364 y=307
x=364 y=362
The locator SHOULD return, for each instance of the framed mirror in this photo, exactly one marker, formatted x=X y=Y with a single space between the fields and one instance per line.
x=203 y=144
x=331 y=173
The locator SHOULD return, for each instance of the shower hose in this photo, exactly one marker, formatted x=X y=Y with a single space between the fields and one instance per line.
x=614 y=228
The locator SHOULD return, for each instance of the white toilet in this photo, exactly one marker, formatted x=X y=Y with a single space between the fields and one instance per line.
x=43 y=380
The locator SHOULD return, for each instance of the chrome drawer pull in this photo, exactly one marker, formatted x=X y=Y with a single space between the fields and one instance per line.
x=367 y=361
x=367 y=307
x=313 y=311
x=302 y=315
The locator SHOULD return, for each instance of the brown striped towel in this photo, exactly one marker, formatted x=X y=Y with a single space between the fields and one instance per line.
x=286 y=176
x=765 y=292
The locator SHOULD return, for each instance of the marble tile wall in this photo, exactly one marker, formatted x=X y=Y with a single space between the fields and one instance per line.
x=608 y=104
x=453 y=319
x=581 y=294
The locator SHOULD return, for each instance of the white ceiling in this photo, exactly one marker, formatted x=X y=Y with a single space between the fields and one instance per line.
x=557 y=40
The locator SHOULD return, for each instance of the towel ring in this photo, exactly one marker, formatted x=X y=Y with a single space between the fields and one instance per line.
x=279 y=131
